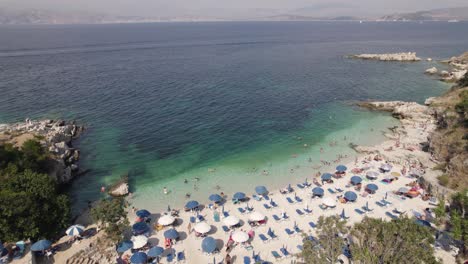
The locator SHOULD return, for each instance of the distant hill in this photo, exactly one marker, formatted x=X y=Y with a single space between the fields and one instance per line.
x=446 y=14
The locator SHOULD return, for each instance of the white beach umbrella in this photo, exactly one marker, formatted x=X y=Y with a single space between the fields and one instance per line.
x=240 y=236
x=329 y=202
x=256 y=216
x=386 y=167
x=166 y=220
x=202 y=228
x=139 y=241
x=75 y=230
x=231 y=220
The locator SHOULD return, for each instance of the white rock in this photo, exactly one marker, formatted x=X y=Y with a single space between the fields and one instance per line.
x=120 y=190
x=429 y=59
x=404 y=56
x=432 y=70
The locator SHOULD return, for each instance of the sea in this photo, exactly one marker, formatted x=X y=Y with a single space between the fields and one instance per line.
x=203 y=108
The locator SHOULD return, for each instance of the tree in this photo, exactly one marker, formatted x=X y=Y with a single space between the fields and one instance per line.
x=397 y=241
x=112 y=215
x=330 y=241
x=440 y=211
x=457 y=225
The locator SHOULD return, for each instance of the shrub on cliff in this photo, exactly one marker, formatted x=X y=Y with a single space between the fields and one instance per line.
x=30 y=156
x=463 y=82
x=112 y=215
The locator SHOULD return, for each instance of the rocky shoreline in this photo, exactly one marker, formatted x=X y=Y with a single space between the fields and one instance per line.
x=402 y=56
x=57 y=136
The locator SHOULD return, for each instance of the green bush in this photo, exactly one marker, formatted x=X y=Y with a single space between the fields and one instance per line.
x=443 y=179
x=463 y=81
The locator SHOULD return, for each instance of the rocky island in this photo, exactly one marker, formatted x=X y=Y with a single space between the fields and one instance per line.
x=402 y=56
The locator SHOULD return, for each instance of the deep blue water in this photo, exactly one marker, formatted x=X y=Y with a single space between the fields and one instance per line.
x=161 y=100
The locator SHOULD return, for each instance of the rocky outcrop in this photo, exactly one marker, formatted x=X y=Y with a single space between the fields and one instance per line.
x=459 y=67
x=400 y=109
x=56 y=136
x=404 y=56
x=119 y=188
x=432 y=70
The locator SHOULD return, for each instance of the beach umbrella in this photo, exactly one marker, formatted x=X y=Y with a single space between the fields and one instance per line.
x=256 y=216
x=341 y=168
x=75 y=230
x=326 y=177
x=350 y=196
x=329 y=202
x=124 y=246
x=395 y=174
x=386 y=194
x=166 y=220
x=208 y=245
x=386 y=167
x=215 y=198
x=240 y=236
x=239 y=196
x=140 y=228
x=231 y=220
x=318 y=191
x=171 y=234
x=372 y=175
x=261 y=190
x=343 y=215
x=139 y=258
x=403 y=190
x=356 y=180
x=191 y=205
x=139 y=241
x=202 y=228
x=41 y=245
x=143 y=213
x=367 y=206
x=155 y=252
x=372 y=187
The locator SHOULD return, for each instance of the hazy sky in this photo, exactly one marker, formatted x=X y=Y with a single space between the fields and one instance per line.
x=225 y=7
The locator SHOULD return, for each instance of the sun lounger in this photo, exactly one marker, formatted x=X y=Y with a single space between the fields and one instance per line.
x=386 y=202
x=298 y=199
x=323 y=207
x=331 y=191
x=180 y=257
x=339 y=190
x=359 y=211
x=192 y=219
x=300 y=186
x=263 y=238
x=247 y=260
x=299 y=212
x=226 y=229
x=289 y=231
x=276 y=254
x=297 y=229
x=267 y=206
x=225 y=214
x=285 y=252
x=241 y=210
x=392 y=216
x=272 y=235
x=307 y=211
x=312 y=224
x=276 y=218
x=380 y=204
x=300 y=247
x=257 y=198
x=170 y=257
x=200 y=218
x=272 y=203
x=289 y=200
x=285 y=216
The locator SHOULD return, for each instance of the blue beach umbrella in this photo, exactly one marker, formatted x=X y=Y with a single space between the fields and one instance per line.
x=155 y=252
x=171 y=234
x=124 y=246
x=143 y=213
x=318 y=191
x=192 y=205
x=372 y=187
x=215 y=198
x=139 y=258
x=261 y=190
x=367 y=206
x=75 y=230
x=140 y=228
x=356 y=180
x=326 y=177
x=239 y=196
x=41 y=245
x=350 y=196
x=372 y=175
x=208 y=245
x=343 y=215
x=341 y=168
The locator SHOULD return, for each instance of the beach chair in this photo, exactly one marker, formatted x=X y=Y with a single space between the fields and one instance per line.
x=339 y=190
x=300 y=247
x=380 y=204
x=263 y=238
x=272 y=235
x=266 y=197
x=276 y=218
x=323 y=207
x=256 y=198
x=275 y=254
x=297 y=229
x=225 y=214
x=312 y=224
x=192 y=219
x=289 y=200
x=169 y=257
x=200 y=218
x=267 y=206
x=392 y=216
x=272 y=203
x=289 y=231
x=330 y=190
x=247 y=260
x=225 y=229
x=181 y=257
x=386 y=202
x=285 y=216
x=359 y=211
x=307 y=210
x=241 y=210
x=285 y=252
x=298 y=199
x=300 y=186
x=21 y=245
x=299 y=212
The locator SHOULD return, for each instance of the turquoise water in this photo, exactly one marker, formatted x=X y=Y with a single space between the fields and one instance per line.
x=219 y=101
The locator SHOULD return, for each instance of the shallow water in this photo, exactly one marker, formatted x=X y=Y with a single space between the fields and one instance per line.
x=168 y=102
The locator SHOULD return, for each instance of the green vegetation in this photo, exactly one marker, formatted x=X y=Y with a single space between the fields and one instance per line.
x=458 y=221
x=463 y=82
x=111 y=214
x=31 y=205
x=443 y=179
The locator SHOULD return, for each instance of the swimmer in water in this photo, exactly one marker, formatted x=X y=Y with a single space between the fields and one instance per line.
x=187 y=195
x=185 y=181
x=165 y=190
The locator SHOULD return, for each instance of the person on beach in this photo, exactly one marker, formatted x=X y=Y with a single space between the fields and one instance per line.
x=228 y=259
x=189 y=228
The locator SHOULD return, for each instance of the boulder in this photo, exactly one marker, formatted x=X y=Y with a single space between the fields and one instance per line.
x=120 y=189
x=403 y=56
x=432 y=70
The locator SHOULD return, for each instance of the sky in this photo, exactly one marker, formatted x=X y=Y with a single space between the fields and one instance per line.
x=234 y=7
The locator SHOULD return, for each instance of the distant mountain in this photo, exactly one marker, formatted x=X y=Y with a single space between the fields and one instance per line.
x=446 y=14
x=294 y=17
